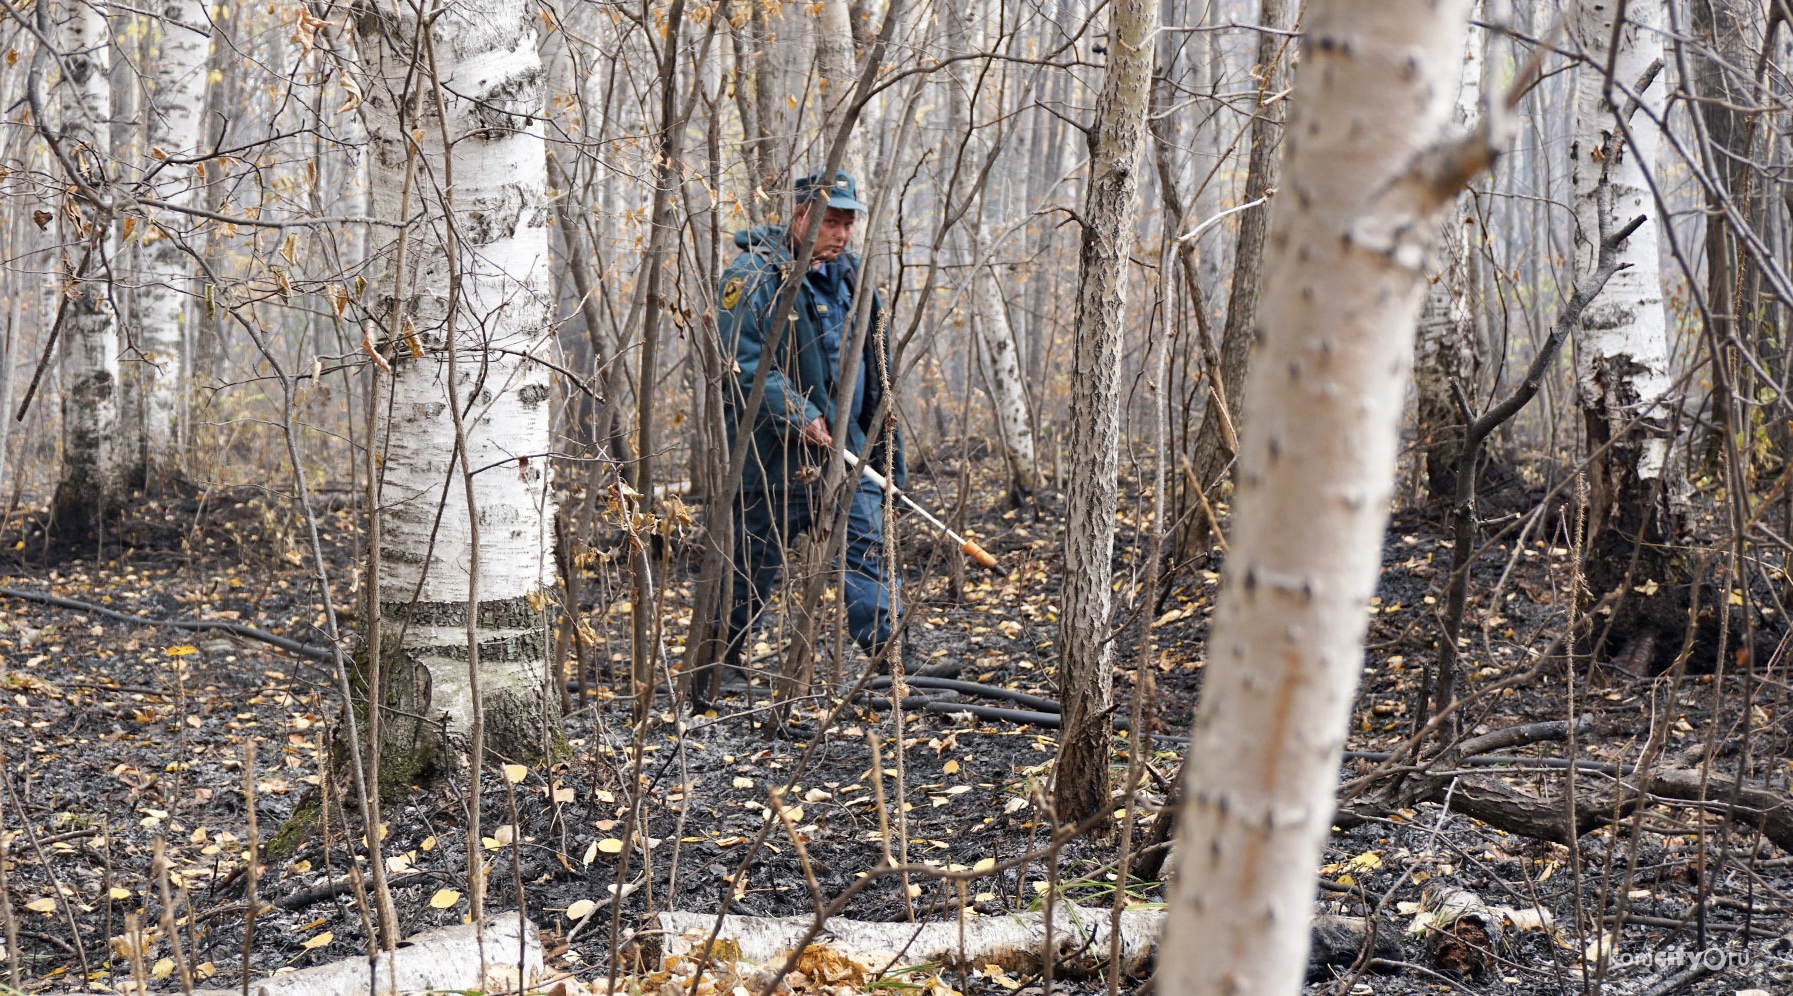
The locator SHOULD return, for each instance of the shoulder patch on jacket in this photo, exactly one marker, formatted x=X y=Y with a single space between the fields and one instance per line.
x=731 y=292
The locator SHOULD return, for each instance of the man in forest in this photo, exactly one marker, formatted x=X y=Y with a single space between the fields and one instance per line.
x=794 y=429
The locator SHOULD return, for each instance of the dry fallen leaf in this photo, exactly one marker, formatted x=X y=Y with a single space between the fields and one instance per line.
x=444 y=898
x=581 y=909
x=312 y=943
x=515 y=773
x=610 y=845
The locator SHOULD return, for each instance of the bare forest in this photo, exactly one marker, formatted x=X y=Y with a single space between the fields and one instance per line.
x=965 y=497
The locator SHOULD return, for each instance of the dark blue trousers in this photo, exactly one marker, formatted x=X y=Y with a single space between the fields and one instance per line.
x=766 y=521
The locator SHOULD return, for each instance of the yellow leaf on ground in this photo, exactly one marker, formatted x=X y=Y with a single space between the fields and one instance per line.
x=515 y=773
x=610 y=845
x=311 y=943
x=444 y=898
x=163 y=969
x=581 y=909
x=117 y=893
x=44 y=905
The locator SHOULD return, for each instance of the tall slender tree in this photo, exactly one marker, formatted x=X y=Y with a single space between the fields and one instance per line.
x=1366 y=177
x=780 y=57
x=91 y=483
x=1222 y=413
x=1446 y=351
x=1086 y=656
x=1622 y=348
x=178 y=75
x=999 y=357
x=837 y=69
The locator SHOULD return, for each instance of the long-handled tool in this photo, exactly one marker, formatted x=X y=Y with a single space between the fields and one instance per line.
x=971 y=549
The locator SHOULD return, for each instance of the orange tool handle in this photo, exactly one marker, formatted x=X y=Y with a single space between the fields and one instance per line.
x=981 y=555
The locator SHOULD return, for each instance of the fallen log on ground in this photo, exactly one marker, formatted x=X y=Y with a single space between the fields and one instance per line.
x=1013 y=942
x=1597 y=804
x=439 y=960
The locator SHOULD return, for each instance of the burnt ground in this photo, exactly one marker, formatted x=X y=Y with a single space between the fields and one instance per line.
x=122 y=735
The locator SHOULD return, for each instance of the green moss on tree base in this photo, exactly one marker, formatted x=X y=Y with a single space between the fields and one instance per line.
x=297 y=828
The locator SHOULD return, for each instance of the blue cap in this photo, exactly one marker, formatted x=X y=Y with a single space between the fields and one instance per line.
x=843 y=193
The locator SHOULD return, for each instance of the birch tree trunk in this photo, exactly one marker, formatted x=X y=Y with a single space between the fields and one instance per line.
x=1002 y=372
x=1086 y=659
x=473 y=277
x=1622 y=348
x=1363 y=185
x=998 y=350
x=179 y=77
x=1446 y=351
x=91 y=483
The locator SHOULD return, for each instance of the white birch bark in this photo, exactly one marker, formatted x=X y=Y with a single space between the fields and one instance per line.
x=998 y=350
x=1622 y=348
x=175 y=129
x=1081 y=939
x=1351 y=233
x=91 y=481
x=491 y=194
x=447 y=959
x=1086 y=668
x=1445 y=350
x=1002 y=371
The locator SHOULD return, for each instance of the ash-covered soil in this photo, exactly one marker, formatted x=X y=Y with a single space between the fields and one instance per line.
x=122 y=738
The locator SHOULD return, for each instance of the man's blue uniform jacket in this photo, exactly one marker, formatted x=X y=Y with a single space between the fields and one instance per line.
x=800 y=385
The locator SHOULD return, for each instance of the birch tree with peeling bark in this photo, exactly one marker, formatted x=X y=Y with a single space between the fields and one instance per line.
x=1622 y=374
x=1445 y=351
x=1364 y=182
x=453 y=116
x=1086 y=654
x=91 y=483
x=998 y=352
x=175 y=130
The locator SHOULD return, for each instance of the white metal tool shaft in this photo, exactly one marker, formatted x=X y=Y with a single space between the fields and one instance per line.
x=970 y=548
